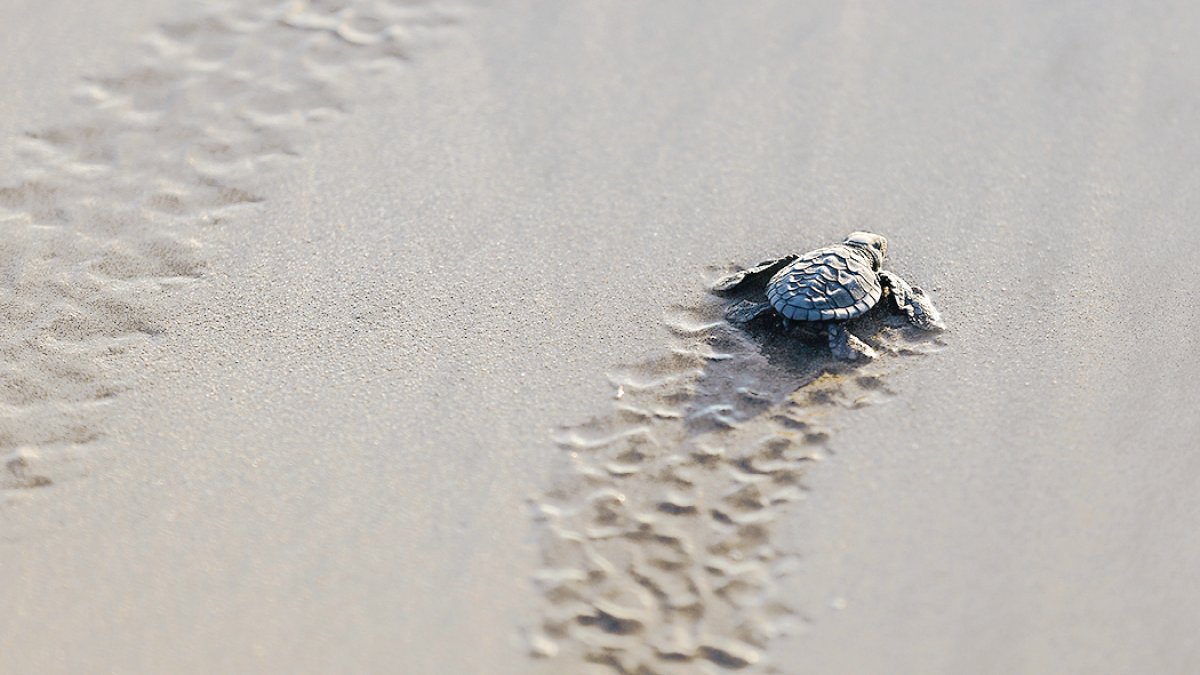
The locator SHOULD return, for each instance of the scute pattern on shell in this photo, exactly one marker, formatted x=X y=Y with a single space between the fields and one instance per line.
x=829 y=284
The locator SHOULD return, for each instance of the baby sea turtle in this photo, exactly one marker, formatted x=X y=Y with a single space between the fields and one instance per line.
x=830 y=286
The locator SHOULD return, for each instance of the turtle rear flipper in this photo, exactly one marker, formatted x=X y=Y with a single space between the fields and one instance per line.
x=746 y=311
x=759 y=273
x=846 y=346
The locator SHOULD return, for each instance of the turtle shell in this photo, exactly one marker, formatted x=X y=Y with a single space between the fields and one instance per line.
x=829 y=284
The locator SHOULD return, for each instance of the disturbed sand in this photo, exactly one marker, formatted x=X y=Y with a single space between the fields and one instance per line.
x=373 y=337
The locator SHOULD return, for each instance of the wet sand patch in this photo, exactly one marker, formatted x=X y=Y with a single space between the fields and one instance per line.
x=659 y=549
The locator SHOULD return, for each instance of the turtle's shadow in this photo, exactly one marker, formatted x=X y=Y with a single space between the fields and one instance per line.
x=752 y=369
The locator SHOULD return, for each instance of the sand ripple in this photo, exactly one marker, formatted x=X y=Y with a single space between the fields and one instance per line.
x=105 y=215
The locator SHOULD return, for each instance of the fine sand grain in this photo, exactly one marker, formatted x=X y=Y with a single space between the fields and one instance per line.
x=373 y=336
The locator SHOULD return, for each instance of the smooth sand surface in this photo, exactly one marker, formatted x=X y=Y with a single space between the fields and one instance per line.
x=300 y=312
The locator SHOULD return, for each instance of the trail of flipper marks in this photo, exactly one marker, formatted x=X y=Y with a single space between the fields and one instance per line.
x=660 y=552
x=102 y=216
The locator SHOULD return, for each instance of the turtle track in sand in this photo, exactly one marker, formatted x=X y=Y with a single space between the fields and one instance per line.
x=659 y=549
x=103 y=215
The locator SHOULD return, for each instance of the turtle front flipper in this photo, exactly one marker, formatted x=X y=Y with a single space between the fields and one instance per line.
x=914 y=302
x=846 y=346
x=760 y=272
x=746 y=311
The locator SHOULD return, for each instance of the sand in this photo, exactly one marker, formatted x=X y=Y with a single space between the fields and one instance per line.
x=314 y=327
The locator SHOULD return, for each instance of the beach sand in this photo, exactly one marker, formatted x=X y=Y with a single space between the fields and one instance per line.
x=377 y=339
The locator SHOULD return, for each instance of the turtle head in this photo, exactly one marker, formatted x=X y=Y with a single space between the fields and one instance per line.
x=873 y=244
